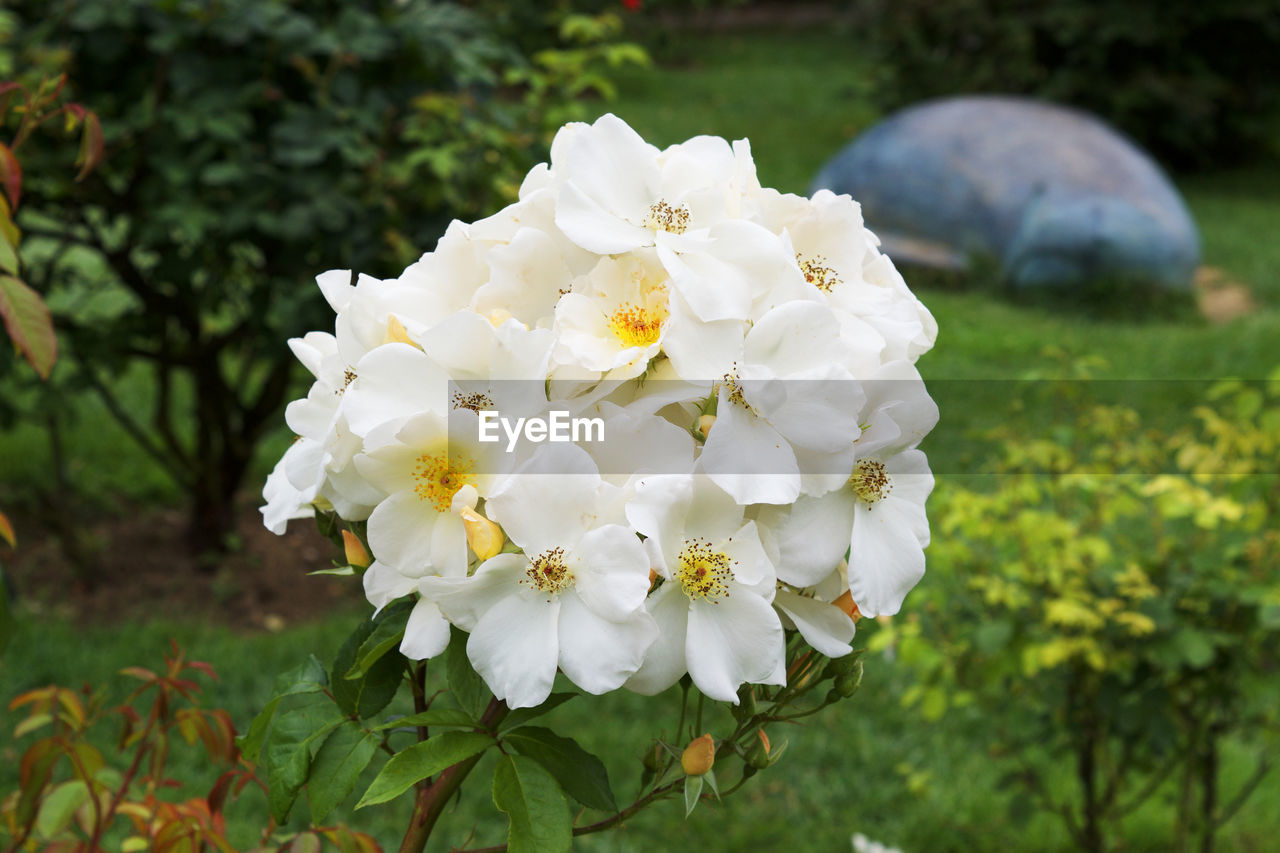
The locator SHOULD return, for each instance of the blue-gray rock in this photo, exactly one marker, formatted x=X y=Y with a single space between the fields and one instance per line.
x=1054 y=194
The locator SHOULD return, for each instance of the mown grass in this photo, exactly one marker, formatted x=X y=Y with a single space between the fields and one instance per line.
x=866 y=766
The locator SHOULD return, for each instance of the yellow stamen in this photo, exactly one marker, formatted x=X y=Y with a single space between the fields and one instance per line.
x=440 y=476
x=817 y=273
x=704 y=573
x=636 y=327
x=664 y=217
x=548 y=572
x=870 y=482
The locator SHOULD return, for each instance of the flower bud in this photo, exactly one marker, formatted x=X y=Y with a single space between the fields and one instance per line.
x=841 y=666
x=705 y=423
x=357 y=555
x=847 y=685
x=846 y=603
x=654 y=757
x=484 y=536
x=758 y=754
x=698 y=756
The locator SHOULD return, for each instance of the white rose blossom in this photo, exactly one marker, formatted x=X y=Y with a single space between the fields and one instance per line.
x=749 y=356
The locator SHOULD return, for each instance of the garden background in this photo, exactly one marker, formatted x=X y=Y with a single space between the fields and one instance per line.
x=968 y=724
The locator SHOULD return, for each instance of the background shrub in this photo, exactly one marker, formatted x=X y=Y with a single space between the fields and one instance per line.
x=1194 y=82
x=251 y=144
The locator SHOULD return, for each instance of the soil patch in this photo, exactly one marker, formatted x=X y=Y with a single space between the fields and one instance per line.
x=140 y=567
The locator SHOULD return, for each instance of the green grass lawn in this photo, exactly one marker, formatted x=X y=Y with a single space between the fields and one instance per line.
x=865 y=766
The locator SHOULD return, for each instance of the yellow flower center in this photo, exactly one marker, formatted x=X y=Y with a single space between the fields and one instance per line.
x=870 y=482
x=730 y=381
x=440 y=476
x=348 y=376
x=817 y=273
x=548 y=572
x=664 y=217
x=636 y=327
x=704 y=572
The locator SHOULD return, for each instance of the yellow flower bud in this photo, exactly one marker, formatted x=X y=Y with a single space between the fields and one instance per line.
x=484 y=536
x=698 y=756
x=705 y=423
x=846 y=603
x=355 y=551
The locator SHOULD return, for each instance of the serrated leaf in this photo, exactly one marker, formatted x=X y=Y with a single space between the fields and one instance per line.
x=423 y=759
x=388 y=629
x=371 y=692
x=467 y=687
x=446 y=717
x=289 y=753
x=582 y=775
x=536 y=809
x=29 y=324
x=307 y=677
x=343 y=756
x=692 y=791
x=521 y=716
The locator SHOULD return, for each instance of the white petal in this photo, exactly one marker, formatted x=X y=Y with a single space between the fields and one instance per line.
x=614 y=576
x=886 y=558
x=427 y=632
x=748 y=459
x=464 y=600
x=383 y=585
x=823 y=625
x=738 y=639
x=664 y=661
x=813 y=538
x=599 y=654
x=400 y=533
x=515 y=648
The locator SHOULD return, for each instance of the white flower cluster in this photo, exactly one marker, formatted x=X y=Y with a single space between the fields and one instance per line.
x=750 y=354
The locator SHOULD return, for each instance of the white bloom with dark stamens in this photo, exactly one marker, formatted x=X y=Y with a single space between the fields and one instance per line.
x=713 y=608
x=573 y=600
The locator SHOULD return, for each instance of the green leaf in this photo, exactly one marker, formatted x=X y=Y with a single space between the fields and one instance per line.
x=468 y=688
x=59 y=806
x=27 y=320
x=388 y=629
x=538 y=813
x=520 y=716
x=289 y=753
x=423 y=759
x=371 y=692
x=582 y=775
x=343 y=756
x=308 y=677
x=1194 y=647
x=692 y=791
x=993 y=635
x=446 y=717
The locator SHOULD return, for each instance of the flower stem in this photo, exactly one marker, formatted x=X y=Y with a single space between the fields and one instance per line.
x=431 y=800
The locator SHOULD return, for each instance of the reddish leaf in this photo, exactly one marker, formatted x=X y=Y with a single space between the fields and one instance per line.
x=221 y=790
x=10 y=175
x=90 y=146
x=6 y=531
x=29 y=324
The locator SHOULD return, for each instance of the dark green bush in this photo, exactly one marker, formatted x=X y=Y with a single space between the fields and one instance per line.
x=251 y=144
x=1192 y=81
